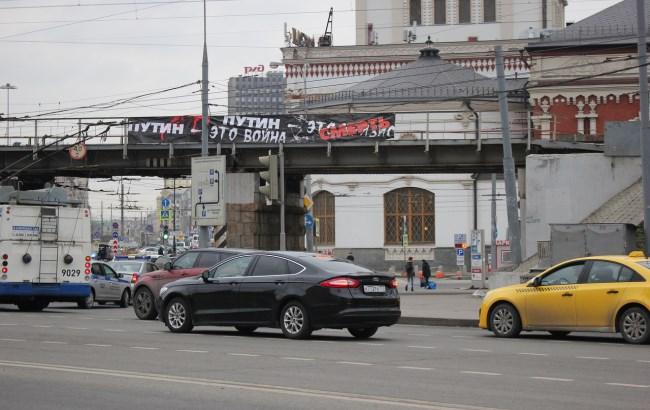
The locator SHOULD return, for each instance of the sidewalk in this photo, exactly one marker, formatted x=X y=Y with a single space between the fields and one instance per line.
x=451 y=304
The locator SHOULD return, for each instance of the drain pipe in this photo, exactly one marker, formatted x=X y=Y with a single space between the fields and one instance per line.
x=477 y=125
x=475 y=201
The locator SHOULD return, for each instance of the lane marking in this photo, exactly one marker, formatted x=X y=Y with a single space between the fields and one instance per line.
x=356 y=363
x=461 y=337
x=639 y=386
x=422 y=347
x=7 y=324
x=43 y=326
x=244 y=354
x=12 y=340
x=112 y=319
x=322 y=341
x=415 y=368
x=54 y=342
x=306 y=359
x=370 y=344
x=96 y=345
x=263 y=388
x=552 y=379
x=192 y=351
x=533 y=354
x=113 y=330
x=592 y=357
x=417 y=334
x=144 y=348
x=149 y=332
x=76 y=328
x=477 y=350
x=643 y=361
x=481 y=373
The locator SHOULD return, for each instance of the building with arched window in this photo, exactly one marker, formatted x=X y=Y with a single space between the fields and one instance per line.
x=369 y=215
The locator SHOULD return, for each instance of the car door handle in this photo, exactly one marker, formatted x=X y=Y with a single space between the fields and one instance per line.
x=612 y=292
x=280 y=282
x=567 y=294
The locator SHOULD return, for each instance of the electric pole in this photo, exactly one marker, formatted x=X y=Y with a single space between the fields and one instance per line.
x=643 y=107
x=508 y=163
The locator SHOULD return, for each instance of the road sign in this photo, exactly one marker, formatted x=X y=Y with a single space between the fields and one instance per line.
x=208 y=190
x=405 y=239
x=460 y=238
x=460 y=257
x=115 y=225
x=115 y=235
x=165 y=202
x=164 y=215
x=309 y=221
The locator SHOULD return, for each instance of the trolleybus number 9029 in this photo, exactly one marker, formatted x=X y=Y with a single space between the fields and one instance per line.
x=73 y=273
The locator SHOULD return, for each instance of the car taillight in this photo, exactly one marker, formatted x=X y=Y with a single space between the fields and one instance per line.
x=393 y=283
x=341 y=283
x=134 y=277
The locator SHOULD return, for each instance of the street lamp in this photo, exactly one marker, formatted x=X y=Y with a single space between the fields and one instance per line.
x=8 y=87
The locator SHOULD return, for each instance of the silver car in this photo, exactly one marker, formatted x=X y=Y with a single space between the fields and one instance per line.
x=107 y=286
x=133 y=268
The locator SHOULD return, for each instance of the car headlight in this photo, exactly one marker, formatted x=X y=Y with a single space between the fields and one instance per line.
x=163 y=290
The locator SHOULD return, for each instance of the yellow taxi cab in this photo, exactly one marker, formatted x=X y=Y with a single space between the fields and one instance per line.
x=590 y=294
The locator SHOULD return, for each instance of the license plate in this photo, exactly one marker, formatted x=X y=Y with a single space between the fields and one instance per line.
x=374 y=288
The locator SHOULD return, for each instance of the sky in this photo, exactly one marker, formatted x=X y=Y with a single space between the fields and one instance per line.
x=65 y=54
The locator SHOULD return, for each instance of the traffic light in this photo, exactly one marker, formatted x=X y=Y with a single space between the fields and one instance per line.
x=270 y=190
x=165 y=232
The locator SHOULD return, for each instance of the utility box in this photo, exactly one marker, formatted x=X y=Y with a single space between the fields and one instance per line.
x=570 y=241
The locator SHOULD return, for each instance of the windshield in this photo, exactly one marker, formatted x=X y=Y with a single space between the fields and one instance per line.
x=336 y=266
x=126 y=266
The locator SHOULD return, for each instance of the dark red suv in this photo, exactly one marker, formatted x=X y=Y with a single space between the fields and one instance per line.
x=191 y=263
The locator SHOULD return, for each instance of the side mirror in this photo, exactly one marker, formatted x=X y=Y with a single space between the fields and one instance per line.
x=537 y=281
x=206 y=276
x=168 y=266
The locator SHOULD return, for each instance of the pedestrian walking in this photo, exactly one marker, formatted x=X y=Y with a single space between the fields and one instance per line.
x=426 y=273
x=350 y=257
x=161 y=251
x=410 y=274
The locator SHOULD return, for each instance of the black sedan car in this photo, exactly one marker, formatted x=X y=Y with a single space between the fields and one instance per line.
x=295 y=291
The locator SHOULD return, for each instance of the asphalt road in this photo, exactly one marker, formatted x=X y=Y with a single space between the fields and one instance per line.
x=105 y=358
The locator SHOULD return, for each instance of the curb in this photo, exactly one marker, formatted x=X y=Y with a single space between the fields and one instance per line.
x=436 y=321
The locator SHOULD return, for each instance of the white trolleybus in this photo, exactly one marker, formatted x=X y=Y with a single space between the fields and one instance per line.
x=44 y=248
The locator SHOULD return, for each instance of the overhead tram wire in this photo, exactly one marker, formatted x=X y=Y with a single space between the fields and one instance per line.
x=100 y=107
x=599 y=42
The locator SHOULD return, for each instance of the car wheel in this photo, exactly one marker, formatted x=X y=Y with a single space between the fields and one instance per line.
x=294 y=321
x=362 y=332
x=177 y=316
x=101 y=303
x=124 y=300
x=143 y=304
x=247 y=330
x=634 y=325
x=88 y=302
x=559 y=333
x=505 y=321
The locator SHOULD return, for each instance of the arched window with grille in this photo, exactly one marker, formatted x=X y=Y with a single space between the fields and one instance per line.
x=324 y=212
x=412 y=209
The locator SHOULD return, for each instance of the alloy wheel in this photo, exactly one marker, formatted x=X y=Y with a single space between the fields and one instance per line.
x=294 y=319
x=503 y=320
x=635 y=326
x=176 y=315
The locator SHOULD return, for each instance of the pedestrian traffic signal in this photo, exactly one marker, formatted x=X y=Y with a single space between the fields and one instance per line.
x=270 y=175
x=165 y=234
